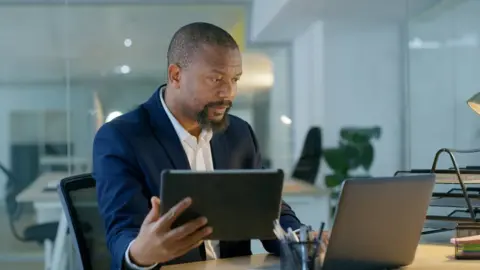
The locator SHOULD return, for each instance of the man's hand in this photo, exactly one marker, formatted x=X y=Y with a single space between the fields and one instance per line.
x=325 y=239
x=313 y=235
x=158 y=243
x=325 y=236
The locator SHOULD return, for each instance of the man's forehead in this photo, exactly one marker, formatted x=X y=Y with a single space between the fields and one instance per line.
x=220 y=56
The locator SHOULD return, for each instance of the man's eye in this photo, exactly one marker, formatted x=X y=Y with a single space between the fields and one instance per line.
x=236 y=79
x=216 y=80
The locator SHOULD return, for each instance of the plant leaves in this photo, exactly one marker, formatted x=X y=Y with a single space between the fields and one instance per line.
x=353 y=155
x=334 y=180
x=336 y=159
x=360 y=135
x=335 y=195
x=366 y=156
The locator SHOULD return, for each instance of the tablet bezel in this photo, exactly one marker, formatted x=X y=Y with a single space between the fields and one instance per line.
x=245 y=210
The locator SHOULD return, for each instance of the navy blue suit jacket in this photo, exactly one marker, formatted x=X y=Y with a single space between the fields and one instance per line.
x=129 y=154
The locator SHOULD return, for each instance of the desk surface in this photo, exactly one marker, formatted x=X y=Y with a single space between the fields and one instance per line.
x=36 y=193
x=428 y=257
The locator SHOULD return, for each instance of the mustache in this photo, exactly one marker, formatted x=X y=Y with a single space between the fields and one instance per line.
x=226 y=103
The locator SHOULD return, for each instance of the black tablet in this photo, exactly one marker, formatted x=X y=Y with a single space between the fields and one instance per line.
x=239 y=204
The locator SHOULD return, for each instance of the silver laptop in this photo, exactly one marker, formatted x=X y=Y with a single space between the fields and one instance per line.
x=378 y=222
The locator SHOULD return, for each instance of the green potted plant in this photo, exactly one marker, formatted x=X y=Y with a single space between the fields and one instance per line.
x=354 y=151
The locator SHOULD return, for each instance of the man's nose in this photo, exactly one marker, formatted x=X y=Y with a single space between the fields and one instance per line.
x=228 y=91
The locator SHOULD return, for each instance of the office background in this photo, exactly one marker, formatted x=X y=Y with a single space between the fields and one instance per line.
x=405 y=66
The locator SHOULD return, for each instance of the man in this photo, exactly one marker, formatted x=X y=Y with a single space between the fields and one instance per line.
x=184 y=125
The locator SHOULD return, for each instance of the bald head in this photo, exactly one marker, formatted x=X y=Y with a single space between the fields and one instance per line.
x=204 y=65
x=190 y=38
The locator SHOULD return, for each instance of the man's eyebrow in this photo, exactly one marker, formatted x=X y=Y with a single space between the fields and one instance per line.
x=223 y=73
x=218 y=71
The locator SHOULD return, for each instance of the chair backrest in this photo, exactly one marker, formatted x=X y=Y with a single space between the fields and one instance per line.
x=11 y=192
x=14 y=209
x=308 y=163
x=79 y=201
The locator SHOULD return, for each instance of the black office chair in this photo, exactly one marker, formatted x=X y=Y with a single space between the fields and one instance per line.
x=308 y=164
x=34 y=233
x=79 y=202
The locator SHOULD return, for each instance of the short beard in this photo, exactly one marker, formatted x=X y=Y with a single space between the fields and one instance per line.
x=215 y=126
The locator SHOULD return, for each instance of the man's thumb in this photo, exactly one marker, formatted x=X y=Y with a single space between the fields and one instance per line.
x=154 y=213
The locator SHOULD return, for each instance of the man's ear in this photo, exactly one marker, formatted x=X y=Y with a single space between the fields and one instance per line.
x=174 y=75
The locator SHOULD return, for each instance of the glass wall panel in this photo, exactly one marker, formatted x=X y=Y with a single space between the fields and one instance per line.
x=444 y=62
x=65 y=70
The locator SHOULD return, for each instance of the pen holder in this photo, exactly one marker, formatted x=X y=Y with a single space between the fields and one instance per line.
x=467 y=251
x=300 y=256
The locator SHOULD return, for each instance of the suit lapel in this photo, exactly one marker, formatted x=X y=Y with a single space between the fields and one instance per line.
x=165 y=132
x=219 y=151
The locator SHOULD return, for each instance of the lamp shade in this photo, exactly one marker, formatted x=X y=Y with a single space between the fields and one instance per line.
x=474 y=102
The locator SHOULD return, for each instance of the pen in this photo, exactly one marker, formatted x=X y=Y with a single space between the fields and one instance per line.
x=318 y=242
x=320 y=232
x=292 y=235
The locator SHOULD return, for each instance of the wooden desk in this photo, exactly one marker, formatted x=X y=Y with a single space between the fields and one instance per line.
x=440 y=257
x=302 y=188
x=428 y=257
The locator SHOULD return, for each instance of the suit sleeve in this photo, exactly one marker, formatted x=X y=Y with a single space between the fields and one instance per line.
x=122 y=202
x=287 y=215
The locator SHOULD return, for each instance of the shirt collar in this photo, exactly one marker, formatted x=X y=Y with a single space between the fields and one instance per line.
x=182 y=133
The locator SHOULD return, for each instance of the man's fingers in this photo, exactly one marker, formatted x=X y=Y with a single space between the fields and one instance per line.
x=154 y=213
x=167 y=219
x=186 y=229
x=200 y=234
x=184 y=250
x=323 y=247
x=326 y=237
x=190 y=240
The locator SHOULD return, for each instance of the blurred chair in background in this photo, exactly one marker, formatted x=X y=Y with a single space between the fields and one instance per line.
x=43 y=234
x=308 y=164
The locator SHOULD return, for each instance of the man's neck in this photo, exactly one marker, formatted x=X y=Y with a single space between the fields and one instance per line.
x=191 y=126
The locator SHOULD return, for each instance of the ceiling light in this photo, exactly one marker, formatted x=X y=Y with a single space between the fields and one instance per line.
x=127 y=42
x=125 y=69
x=286 y=120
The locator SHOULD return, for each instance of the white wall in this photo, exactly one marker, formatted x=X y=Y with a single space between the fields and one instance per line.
x=308 y=84
x=280 y=143
x=363 y=82
x=349 y=74
x=263 y=12
x=444 y=73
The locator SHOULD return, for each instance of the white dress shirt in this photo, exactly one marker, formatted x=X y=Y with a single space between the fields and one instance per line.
x=199 y=156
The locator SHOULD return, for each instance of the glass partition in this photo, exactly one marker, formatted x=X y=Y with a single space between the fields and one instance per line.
x=67 y=68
